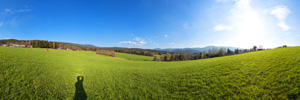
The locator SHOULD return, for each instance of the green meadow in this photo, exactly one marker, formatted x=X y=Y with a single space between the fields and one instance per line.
x=134 y=57
x=33 y=73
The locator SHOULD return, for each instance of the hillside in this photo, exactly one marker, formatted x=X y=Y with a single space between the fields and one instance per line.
x=33 y=73
x=133 y=57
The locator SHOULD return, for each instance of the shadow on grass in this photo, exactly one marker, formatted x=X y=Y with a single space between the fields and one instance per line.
x=79 y=93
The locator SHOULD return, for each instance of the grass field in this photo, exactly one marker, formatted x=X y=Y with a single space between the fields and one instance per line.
x=33 y=73
x=134 y=57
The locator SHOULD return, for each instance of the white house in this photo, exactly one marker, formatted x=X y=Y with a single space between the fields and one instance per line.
x=4 y=45
x=18 y=45
x=29 y=46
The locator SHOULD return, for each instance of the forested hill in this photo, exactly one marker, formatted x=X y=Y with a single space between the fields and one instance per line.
x=49 y=44
x=76 y=47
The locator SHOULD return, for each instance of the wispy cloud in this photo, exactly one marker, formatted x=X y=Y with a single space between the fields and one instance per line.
x=221 y=27
x=154 y=43
x=137 y=41
x=13 y=22
x=11 y=12
x=171 y=43
x=140 y=41
x=6 y=11
x=166 y=35
x=281 y=12
x=127 y=42
x=23 y=10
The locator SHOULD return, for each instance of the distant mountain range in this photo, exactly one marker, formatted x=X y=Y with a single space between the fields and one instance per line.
x=171 y=50
x=194 y=50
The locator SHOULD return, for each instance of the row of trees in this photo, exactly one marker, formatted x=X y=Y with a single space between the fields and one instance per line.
x=175 y=57
x=55 y=45
x=212 y=52
x=46 y=44
x=106 y=52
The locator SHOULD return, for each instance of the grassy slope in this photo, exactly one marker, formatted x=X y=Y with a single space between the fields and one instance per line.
x=133 y=57
x=34 y=73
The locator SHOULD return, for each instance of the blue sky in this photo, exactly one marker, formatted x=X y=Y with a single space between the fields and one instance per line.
x=154 y=23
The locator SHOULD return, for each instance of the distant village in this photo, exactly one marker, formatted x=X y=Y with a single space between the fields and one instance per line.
x=41 y=44
x=17 y=45
x=28 y=46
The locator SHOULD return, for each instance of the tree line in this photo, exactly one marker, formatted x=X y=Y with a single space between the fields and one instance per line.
x=76 y=47
x=137 y=52
x=211 y=53
x=106 y=52
x=173 y=57
x=46 y=44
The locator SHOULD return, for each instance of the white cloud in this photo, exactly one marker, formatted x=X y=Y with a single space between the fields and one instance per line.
x=166 y=35
x=139 y=42
x=281 y=12
x=243 y=3
x=138 y=39
x=221 y=27
x=283 y=25
x=127 y=42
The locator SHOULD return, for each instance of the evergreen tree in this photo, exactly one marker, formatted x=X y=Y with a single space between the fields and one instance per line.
x=236 y=51
x=228 y=51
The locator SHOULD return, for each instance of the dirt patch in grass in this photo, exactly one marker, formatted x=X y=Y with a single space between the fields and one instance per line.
x=120 y=58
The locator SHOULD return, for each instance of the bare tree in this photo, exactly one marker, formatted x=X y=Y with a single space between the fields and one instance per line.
x=155 y=58
x=254 y=48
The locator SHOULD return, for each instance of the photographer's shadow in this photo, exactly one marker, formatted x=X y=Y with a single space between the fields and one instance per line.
x=79 y=93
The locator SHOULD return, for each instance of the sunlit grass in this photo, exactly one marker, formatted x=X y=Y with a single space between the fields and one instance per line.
x=32 y=73
x=134 y=57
